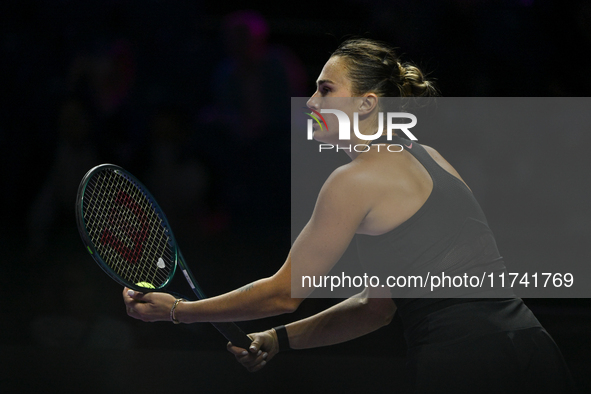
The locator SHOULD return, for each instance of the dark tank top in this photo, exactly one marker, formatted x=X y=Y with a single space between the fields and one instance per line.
x=447 y=236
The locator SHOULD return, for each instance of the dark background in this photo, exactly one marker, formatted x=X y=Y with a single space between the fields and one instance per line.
x=156 y=87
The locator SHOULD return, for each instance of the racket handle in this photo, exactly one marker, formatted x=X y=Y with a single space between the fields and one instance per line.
x=231 y=331
x=234 y=334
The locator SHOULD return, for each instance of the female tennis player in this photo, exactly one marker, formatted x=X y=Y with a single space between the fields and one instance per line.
x=390 y=200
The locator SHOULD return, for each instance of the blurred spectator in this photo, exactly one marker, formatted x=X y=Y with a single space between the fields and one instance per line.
x=255 y=81
x=105 y=79
x=252 y=89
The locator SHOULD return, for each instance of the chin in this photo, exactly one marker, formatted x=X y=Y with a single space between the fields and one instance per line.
x=323 y=137
x=318 y=138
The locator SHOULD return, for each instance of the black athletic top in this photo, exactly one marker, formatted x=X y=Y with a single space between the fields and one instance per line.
x=448 y=235
x=472 y=339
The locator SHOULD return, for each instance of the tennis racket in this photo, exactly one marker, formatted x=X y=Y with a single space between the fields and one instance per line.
x=127 y=234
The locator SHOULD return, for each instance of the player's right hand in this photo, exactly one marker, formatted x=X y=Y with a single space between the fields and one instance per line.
x=263 y=348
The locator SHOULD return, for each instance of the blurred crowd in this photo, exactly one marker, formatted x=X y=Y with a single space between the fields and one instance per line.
x=190 y=125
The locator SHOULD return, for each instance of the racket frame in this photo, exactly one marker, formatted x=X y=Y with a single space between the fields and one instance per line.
x=230 y=330
x=90 y=245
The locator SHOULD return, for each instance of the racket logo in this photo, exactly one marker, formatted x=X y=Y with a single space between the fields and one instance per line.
x=119 y=223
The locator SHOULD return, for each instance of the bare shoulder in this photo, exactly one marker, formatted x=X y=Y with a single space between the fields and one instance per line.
x=340 y=207
x=348 y=186
x=350 y=175
x=442 y=162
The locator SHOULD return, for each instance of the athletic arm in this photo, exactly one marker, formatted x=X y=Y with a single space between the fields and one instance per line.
x=350 y=319
x=339 y=209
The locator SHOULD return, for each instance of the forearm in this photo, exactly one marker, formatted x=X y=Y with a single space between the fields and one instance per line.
x=263 y=298
x=347 y=320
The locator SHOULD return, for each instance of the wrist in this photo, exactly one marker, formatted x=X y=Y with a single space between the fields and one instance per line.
x=282 y=338
x=174 y=310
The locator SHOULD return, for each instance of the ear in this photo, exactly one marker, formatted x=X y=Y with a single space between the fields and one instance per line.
x=368 y=103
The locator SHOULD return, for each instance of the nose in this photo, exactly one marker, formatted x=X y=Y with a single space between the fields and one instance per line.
x=313 y=101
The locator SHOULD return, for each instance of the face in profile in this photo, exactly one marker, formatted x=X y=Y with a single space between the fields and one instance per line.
x=333 y=91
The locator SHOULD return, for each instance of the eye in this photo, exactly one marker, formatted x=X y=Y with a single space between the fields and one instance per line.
x=325 y=90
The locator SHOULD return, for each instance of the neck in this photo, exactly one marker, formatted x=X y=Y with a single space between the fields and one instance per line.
x=362 y=144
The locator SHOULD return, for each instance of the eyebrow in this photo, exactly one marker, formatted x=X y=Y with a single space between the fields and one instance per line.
x=318 y=83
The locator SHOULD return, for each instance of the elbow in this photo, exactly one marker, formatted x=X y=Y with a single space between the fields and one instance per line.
x=289 y=304
x=280 y=301
x=281 y=295
x=384 y=316
x=381 y=310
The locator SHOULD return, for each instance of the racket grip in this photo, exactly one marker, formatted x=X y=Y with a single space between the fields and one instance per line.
x=234 y=334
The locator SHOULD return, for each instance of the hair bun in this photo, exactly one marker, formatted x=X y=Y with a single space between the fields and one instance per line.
x=414 y=82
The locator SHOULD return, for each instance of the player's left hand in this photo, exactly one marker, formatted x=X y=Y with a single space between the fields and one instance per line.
x=148 y=307
x=263 y=348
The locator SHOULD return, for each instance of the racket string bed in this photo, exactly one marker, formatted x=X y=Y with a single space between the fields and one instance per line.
x=136 y=244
